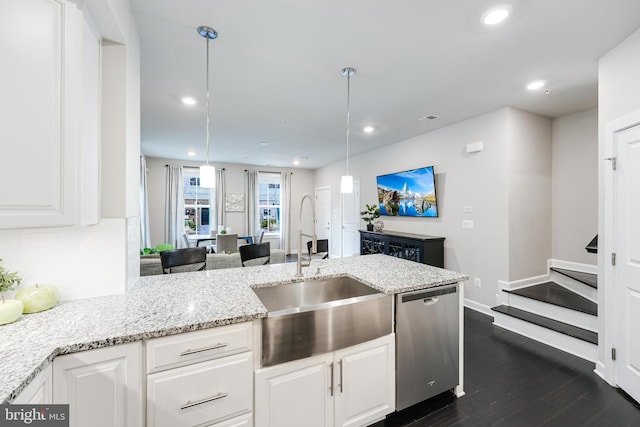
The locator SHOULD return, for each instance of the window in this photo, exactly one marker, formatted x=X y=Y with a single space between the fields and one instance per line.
x=197 y=206
x=269 y=202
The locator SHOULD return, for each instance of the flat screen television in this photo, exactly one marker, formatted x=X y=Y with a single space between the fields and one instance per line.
x=408 y=193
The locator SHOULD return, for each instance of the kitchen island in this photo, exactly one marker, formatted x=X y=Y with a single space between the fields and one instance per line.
x=159 y=306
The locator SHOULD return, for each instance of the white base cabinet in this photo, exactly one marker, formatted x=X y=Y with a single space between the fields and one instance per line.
x=201 y=378
x=350 y=387
x=39 y=391
x=103 y=387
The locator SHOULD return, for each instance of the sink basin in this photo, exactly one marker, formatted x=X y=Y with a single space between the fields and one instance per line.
x=320 y=316
x=313 y=295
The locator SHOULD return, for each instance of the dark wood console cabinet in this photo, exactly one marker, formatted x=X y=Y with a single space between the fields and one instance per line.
x=414 y=247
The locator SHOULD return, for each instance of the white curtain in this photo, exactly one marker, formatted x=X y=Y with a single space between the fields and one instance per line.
x=145 y=236
x=252 y=202
x=285 y=211
x=221 y=191
x=174 y=208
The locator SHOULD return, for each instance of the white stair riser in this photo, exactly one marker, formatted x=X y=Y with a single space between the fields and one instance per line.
x=555 y=312
x=575 y=286
x=560 y=341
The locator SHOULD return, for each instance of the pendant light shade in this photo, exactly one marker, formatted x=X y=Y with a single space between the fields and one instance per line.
x=346 y=182
x=207 y=172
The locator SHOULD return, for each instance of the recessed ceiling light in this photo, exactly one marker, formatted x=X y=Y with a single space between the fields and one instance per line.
x=263 y=143
x=187 y=100
x=368 y=129
x=191 y=153
x=536 y=84
x=296 y=162
x=496 y=14
x=429 y=117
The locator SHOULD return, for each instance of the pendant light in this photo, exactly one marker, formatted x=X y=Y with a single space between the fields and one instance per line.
x=346 y=181
x=207 y=172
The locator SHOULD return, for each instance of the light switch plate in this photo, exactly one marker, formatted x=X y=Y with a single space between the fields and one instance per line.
x=467 y=224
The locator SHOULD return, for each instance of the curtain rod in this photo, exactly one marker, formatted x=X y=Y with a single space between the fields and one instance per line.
x=247 y=170
x=190 y=167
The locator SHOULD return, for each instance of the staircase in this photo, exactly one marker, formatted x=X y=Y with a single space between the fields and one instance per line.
x=559 y=308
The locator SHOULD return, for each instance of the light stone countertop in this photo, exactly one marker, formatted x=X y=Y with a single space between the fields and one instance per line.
x=171 y=304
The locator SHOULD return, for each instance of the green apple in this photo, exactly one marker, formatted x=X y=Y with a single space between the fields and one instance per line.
x=10 y=311
x=37 y=298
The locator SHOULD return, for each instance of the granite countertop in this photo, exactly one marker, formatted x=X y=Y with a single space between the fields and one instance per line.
x=171 y=304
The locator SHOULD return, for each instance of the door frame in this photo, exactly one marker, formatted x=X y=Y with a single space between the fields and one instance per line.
x=315 y=196
x=609 y=334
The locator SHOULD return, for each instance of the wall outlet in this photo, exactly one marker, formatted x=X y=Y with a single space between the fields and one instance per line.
x=467 y=224
x=467 y=209
x=477 y=282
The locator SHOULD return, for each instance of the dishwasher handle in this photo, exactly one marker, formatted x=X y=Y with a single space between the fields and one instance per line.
x=426 y=295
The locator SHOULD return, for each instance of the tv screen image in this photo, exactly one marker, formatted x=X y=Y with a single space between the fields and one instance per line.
x=408 y=193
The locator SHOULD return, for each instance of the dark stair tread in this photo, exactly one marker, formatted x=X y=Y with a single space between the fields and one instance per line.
x=552 y=293
x=588 y=279
x=545 y=322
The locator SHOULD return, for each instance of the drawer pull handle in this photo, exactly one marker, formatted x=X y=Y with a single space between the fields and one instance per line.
x=191 y=404
x=188 y=351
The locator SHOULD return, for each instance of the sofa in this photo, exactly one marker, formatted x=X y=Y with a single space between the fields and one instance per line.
x=150 y=264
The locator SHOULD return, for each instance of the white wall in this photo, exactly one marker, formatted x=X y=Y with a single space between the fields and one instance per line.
x=529 y=194
x=618 y=95
x=302 y=181
x=575 y=186
x=477 y=180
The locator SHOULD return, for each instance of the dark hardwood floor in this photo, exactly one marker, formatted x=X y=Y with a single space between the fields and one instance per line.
x=511 y=380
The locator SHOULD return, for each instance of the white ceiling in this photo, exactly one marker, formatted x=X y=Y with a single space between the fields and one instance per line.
x=275 y=70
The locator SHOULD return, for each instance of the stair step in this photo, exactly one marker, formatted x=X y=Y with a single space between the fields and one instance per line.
x=552 y=293
x=588 y=279
x=545 y=322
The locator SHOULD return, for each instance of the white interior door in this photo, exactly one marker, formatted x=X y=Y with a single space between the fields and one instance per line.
x=351 y=221
x=323 y=212
x=626 y=245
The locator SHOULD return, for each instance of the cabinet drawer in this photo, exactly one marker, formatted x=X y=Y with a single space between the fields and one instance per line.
x=245 y=420
x=192 y=347
x=201 y=393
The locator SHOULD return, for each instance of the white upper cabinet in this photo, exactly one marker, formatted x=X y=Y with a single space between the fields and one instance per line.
x=40 y=109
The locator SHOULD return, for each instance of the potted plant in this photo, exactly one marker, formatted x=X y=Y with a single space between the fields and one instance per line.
x=369 y=215
x=10 y=309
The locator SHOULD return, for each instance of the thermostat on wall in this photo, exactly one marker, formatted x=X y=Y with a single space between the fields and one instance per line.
x=474 y=147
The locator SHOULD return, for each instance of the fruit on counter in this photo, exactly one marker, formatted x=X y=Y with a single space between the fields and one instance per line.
x=10 y=310
x=37 y=298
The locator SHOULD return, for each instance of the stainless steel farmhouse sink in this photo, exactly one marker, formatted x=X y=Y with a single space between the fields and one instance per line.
x=320 y=316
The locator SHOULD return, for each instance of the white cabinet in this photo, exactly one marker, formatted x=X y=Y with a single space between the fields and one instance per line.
x=350 y=387
x=103 y=387
x=49 y=107
x=201 y=378
x=39 y=391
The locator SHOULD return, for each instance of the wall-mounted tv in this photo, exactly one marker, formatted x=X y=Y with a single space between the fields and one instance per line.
x=408 y=193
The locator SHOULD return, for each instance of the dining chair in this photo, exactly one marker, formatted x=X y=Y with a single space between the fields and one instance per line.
x=261 y=237
x=261 y=252
x=183 y=260
x=322 y=246
x=226 y=243
x=185 y=239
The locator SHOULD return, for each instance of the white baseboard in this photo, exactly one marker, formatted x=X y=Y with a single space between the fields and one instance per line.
x=484 y=309
x=569 y=265
x=575 y=286
x=563 y=342
x=523 y=283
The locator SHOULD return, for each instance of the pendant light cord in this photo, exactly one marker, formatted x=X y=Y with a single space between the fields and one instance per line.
x=207 y=102
x=348 y=114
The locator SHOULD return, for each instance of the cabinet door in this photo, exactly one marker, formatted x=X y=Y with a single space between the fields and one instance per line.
x=295 y=394
x=39 y=390
x=103 y=387
x=365 y=382
x=38 y=41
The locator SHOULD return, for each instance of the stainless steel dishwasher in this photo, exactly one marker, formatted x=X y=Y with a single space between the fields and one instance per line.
x=427 y=331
